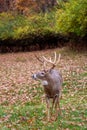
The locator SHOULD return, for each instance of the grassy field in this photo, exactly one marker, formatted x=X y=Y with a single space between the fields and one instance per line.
x=22 y=100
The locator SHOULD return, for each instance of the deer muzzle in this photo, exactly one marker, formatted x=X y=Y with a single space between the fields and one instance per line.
x=34 y=76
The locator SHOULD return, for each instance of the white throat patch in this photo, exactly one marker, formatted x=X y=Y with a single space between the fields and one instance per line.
x=44 y=82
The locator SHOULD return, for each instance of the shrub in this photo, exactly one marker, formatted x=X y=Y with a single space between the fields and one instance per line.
x=21 y=27
x=72 y=18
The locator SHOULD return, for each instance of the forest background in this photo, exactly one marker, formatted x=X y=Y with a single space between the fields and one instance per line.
x=41 y=24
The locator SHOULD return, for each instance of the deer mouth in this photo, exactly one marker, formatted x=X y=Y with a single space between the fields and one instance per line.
x=34 y=76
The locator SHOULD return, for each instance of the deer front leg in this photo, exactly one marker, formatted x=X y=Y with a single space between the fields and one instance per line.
x=48 y=108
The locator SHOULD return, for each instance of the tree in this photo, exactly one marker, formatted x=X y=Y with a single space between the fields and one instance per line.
x=23 y=6
x=72 y=19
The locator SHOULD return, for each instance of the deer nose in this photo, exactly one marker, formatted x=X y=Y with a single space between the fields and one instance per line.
x=34 y=76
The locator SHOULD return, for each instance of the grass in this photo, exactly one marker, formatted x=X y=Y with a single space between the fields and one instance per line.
x=22 y=102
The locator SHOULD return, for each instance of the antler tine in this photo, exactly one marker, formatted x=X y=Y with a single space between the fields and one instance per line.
x=58 y=59
x=55 y=62
x=50 y=61
x=42 y=61
x=55 y=57
x=39 y=59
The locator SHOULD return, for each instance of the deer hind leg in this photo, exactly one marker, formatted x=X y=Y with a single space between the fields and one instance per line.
x=53 y=103
x=48 y=108
x=57 y=105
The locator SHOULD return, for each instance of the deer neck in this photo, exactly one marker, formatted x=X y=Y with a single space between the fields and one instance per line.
x=48 y=81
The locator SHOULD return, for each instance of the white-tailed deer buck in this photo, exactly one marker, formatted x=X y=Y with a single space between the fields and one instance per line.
x=51 y=80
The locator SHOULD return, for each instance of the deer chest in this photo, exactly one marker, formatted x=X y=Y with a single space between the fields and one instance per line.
x=50 y=92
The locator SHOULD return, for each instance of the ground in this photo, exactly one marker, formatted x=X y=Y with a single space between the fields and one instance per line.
x=22 y=101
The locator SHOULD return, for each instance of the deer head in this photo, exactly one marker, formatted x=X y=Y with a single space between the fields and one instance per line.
x=43 y=75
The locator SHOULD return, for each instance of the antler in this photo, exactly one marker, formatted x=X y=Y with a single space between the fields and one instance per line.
x=55 y=62
x=42 y=61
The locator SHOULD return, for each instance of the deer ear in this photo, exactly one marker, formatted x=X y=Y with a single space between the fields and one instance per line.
x=45 y=71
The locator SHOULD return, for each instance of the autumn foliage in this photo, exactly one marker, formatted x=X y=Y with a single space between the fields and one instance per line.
x=26 y=7
x=34 y=22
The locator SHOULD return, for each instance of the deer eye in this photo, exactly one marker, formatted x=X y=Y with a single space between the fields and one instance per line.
x=42 y=73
